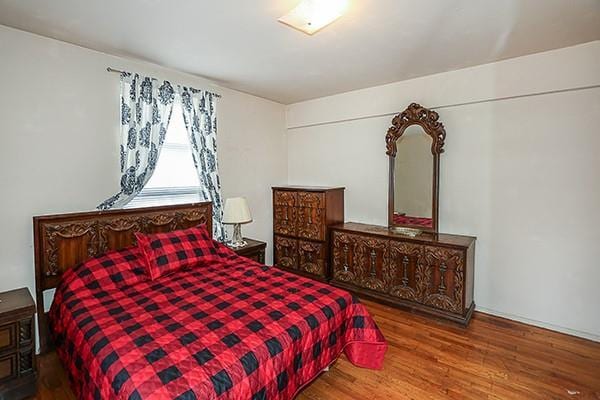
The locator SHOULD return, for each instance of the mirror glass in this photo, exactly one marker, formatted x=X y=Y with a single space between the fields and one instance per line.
x=413 y=184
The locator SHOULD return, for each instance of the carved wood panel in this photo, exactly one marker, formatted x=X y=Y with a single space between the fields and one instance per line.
x=285 y=220
x=311 y=199
x=26 y=360
x=25 y=331
x=311 y=223
x=415 y=114
x=117 y=233
x=190 y=218
x=286 y=252
x=343 y=257
x=371 y=259
x=444 y=272
x=160 y=222
x=284 y=198
x=405 y=274
x=311 y=257
x=68 y=244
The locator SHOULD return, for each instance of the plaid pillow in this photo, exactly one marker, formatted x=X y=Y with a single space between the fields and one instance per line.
x=171 y=251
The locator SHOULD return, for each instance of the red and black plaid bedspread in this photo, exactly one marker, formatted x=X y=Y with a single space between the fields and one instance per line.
x=229 y=329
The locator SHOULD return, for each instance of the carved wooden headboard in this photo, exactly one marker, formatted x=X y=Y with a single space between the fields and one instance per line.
x=66 y=240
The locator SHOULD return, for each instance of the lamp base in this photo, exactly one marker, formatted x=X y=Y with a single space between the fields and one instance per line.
x=237 y=240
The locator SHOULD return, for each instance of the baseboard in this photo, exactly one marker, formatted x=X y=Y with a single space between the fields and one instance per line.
x=552 y=327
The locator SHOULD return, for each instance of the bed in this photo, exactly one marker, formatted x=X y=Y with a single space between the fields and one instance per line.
x=229 y=328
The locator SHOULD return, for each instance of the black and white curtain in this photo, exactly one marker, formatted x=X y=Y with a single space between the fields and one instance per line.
x=146 y=106
x=200 y=117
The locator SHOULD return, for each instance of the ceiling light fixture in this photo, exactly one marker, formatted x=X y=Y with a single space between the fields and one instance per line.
x=310 y=16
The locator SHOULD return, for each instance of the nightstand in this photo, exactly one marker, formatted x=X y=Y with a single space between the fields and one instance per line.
x=254 y=250
x=17 y=345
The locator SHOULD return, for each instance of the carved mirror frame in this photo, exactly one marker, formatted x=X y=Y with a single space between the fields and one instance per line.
x=415 y=114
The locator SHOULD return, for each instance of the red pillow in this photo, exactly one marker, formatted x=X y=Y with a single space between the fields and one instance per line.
x=171 y=251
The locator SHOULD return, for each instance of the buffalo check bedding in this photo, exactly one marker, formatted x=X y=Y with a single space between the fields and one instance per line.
x=227 y=328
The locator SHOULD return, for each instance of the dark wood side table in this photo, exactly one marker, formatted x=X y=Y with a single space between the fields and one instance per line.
x=255 y=250
x=17 y=345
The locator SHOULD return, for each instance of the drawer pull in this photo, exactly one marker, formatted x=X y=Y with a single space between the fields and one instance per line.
x=405 y=271
x=373 y=272
x=442 y=286
x=345 y=250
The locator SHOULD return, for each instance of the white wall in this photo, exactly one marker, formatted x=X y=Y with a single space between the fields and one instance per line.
x=59 y=114
x=521 y=174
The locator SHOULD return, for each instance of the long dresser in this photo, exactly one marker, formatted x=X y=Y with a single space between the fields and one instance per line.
x=301 y=217
x=431 y=273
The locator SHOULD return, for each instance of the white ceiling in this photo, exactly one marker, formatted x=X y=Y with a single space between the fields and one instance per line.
x=240 y=44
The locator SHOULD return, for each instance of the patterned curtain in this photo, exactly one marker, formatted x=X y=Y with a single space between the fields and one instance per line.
x=199 y=114
x=146 y=106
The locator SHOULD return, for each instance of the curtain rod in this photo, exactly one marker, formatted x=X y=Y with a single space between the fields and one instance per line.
x=109 y=69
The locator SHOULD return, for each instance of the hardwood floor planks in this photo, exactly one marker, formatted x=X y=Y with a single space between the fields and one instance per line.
x=493 y=358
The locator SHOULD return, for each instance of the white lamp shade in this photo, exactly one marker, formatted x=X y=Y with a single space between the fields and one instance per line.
x=236 y=211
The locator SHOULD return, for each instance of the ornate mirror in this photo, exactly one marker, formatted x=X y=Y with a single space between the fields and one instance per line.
x=414 y=143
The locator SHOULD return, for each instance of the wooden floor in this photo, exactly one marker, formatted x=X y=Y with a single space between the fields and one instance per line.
x=493 y=358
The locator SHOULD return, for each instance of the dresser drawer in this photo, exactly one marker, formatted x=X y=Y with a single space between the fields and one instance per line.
x=8 y=367
x=311 y=199
x=408 y=278
x=284 y=198
x=311 y=258
x=8 y=335
x=286 y=252
x=285 y=220
x=444 y=270
x=310 y=223
x=370 y=262
x=343 y=257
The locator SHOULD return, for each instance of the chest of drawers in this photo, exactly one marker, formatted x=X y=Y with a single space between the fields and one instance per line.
x=301 y=216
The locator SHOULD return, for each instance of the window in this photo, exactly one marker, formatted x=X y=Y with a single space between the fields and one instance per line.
x=175 y=179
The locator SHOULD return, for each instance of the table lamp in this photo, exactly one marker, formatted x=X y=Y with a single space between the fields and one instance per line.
x=236 y=213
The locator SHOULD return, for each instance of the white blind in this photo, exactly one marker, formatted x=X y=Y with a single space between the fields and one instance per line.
x=175 y=179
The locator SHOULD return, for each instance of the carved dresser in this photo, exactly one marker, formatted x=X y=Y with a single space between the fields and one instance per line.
x=409 y=263
x=301 y=216
x=432 y=273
